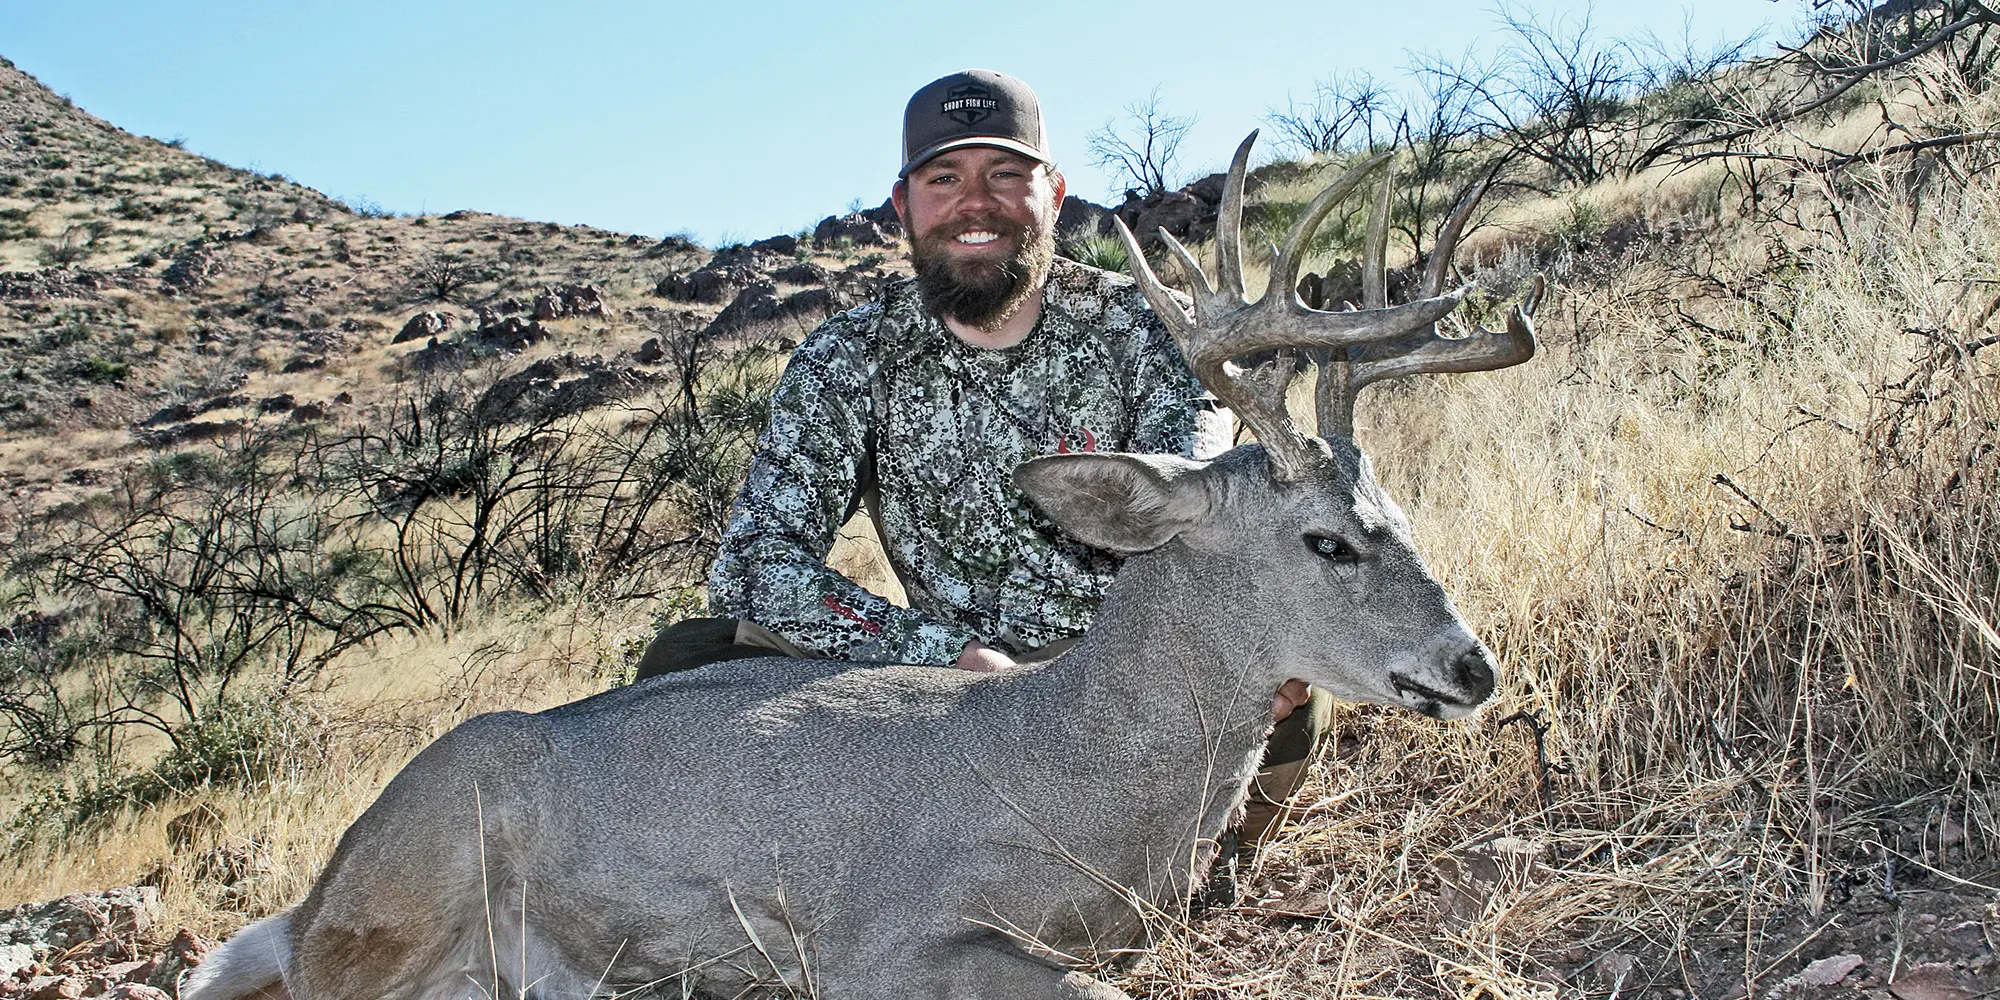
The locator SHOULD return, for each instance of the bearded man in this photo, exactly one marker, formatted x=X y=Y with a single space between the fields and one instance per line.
x=918 y=406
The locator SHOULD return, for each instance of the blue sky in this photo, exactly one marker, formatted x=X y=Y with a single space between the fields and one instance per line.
x=727 y=120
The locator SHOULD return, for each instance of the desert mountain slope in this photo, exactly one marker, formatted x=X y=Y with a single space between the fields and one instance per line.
x=149 y=296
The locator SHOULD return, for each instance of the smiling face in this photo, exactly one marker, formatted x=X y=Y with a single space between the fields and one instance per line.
x=982 y=231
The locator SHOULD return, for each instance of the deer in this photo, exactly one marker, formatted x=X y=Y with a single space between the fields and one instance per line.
x=852 y=831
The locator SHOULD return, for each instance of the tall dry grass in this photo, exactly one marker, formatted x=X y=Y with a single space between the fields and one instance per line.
x=1733 y=538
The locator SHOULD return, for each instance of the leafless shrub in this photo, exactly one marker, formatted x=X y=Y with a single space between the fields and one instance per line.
x=1144 y=148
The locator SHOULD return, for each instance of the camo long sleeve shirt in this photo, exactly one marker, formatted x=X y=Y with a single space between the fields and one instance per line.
x=946 y=424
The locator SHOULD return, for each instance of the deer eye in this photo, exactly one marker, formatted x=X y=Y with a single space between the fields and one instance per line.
x=1329 y=547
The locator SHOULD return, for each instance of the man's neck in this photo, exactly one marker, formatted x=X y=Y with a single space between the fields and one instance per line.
x=1009 y=332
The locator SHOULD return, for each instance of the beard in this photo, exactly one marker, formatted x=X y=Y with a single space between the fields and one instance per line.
x=982 y=293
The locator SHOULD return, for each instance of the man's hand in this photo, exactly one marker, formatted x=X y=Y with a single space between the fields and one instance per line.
x=983 y=658
x=1290 y=697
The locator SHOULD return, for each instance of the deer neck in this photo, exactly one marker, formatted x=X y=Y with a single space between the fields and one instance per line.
x=1170 y=675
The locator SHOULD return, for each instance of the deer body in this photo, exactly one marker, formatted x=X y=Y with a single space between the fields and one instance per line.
x=885 y=831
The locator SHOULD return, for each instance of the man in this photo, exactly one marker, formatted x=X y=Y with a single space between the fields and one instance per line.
x=920 y=404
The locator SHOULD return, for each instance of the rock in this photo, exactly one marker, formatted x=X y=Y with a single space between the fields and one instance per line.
x=344 y=398
x=755 y=303
x=61 y=283
x=191 y=269
x=1935 y=981
x=1830 y=971
x=82 y=477
x=276 y=404
x=569 y=300
x=424 y=324
x=884 y=216
x=786 y=245
x=854 y=228
x=189 y=410
x=1177 y=212
x=649 y=352
x=673 y=245
x=193 y=430
x=136 y=991
x=709 y=285
x=512 y=333
x=1082 y=218
x=63 y=927
x=183 y=953
x=561 y=385
x=304 y=363
x=802 y=273
x=54 y=988
x=816 y=303
x=308 y=411
x=1209 y=189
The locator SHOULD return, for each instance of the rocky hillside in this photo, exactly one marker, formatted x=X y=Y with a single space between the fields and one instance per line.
x=149 y=296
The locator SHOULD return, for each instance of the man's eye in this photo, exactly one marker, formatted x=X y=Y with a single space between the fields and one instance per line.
x=1329 y=547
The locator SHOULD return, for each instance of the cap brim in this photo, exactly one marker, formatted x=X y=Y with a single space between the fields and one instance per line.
x=996 y=142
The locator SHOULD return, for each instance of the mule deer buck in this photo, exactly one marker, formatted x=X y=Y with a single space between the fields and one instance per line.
x=808 y=828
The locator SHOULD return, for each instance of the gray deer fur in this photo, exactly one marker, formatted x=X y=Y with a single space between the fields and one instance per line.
x=886 y=832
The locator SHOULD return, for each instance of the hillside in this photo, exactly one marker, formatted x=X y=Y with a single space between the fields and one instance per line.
x=1732 y=535
x=151 y=296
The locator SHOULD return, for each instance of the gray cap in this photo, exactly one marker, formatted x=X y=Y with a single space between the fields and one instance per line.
x=974 y=107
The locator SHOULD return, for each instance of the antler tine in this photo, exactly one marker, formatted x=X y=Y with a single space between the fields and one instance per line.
x=1425 y=351
x=1375 y=251
x=1177 y=321
x=1483 y=350
x=1229 y=223
x=1285 y=265
x=1447 y=242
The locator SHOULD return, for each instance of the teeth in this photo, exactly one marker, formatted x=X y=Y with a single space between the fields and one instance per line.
x=978 y=237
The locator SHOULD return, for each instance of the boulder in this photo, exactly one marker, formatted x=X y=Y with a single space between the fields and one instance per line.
x=192 y=268
x=103 y=922
x=884 y=216
x=709 y=285
x=561 y=385
x=1082 y=218
x=785 y=245
x=424 y=324
x=854 y=229
x=566 y=301
x=649 y=352
x=512 y=333
x=801 y=273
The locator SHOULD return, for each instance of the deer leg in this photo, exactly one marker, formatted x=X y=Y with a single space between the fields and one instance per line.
x=1077 y=986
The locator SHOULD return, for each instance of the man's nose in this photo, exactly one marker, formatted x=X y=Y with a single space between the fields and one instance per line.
x=977 y=196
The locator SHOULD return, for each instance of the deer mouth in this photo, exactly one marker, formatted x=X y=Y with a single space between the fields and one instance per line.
x=1428 y=700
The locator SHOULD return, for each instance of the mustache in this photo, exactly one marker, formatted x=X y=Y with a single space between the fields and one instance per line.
x=1006 y=228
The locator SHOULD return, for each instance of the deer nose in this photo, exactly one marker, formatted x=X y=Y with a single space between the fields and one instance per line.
x=1473 y=670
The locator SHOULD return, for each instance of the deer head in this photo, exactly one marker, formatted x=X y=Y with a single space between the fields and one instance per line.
x=1318 y=559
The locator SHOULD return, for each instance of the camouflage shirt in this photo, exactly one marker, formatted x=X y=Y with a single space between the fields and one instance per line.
x=946 y=423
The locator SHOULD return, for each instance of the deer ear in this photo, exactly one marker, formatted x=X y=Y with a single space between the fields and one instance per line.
x=1125 y=503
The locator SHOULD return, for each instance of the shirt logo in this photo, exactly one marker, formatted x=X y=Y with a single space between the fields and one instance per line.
x=969 y=104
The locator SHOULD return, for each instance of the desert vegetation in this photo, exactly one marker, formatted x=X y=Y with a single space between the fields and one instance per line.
x=1732 y=535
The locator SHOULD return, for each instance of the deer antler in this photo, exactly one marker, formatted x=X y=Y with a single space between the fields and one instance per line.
x=1227 y=325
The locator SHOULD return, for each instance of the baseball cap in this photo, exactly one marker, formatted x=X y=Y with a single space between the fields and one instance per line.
x=974 y=107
